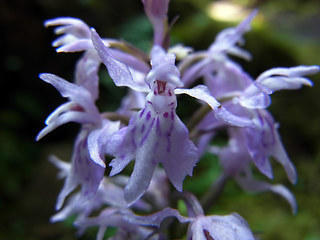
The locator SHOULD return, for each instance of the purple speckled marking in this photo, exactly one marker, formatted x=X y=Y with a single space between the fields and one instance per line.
x=158 y=127
x=166 y=114
x=170 y=104
x=172 y=115
x=147 y=134
x=142 y=112
x=149 y=102
x=148 y=116
x=133 y=142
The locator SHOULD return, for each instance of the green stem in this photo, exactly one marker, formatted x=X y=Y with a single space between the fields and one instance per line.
x=211 y=196
x=198 y=116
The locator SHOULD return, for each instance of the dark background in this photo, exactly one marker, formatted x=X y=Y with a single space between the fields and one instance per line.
x=285 y=34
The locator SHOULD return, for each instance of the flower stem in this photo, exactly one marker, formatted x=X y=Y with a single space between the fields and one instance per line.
x=211 y=196
x=198 y=116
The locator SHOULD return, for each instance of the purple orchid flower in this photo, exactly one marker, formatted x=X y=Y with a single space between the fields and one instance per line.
x=231 y=227
x=256 y=95
x=216 y=57
x=235 y=159
x=156 y=134
x=113 y=217
x=87 y=168
x=201 y=227
x=75 y=34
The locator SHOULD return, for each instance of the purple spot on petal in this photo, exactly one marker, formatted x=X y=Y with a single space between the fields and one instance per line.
x=172 y=115
x=149 y=102
x=166 y=114
x=147 y=134
x=148 y=116
x=158 y=127
x=133 y=142
x=141 y=114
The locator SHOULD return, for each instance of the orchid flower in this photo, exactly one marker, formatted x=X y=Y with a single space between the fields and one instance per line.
x=257 y=94
x=235 y=158
x=88 y=156
x=201 y=227
x=214 y=59
x=156 y=134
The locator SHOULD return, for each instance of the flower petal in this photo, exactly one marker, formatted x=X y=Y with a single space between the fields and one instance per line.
x=75 y=92
x=98 y=140
x=118 y=71
x=276 y=79
x=201 y=92
x=255 y=186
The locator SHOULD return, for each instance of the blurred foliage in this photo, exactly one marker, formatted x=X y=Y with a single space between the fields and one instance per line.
x=286 y=33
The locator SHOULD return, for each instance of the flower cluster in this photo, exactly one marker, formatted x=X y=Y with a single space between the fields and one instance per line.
x=147 y=129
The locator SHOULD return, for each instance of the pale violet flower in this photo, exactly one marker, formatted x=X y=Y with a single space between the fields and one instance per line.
x=229 y=227
x=201 y=227
x=87 y=162
x=235 y=158
x=156 y=134
x=75 y=34
x=256 y=95
x=216 y=57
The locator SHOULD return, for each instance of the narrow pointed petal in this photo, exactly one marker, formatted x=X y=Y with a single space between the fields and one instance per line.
x=74 y=46
x=140 y=178
x=69 y=25
x=183 y=157
x=156 y=218
x=201 y=92
x=118 y=71
x=87 y=73
x=277 y=79
x=75 y=92
x=256 y=186
x=71 y=116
